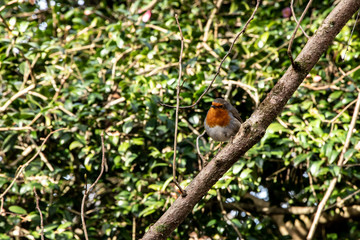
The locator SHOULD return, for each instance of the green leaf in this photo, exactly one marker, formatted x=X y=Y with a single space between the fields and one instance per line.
x=334 y=155
x=245 y=173
x=349 y=153
x=23 y=26
x=335 y=95
x=24 y=68
x=335 y=170
x=17 y=210
x=300 y=158
x=237 y=168
x=75 y=144
x=329 y=148
x=127 y=127
x=124 y=147
x=138 y=141
x=276 y=127
x=64 y=225
x=147 y=211
x=211 y=223
x=294 y=119
x=166 y=183
x=315 y=167
x=9 y=142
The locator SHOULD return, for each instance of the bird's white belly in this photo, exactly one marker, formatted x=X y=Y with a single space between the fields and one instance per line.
x=221 y=134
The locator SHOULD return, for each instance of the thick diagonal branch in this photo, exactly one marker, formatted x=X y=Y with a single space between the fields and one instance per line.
x=254 y=128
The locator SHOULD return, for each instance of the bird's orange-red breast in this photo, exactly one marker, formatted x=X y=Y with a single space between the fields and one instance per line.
x=222 y=121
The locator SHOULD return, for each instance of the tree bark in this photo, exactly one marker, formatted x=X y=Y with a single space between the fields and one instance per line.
x=254 y=128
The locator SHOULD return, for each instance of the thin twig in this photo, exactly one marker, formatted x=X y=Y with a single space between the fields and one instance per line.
x=16 y=128
x=87 y=191
x=183 y=192
x=62 y=81
x=341 y=202
x=311 y=181
x=334 y=180
x=15 y=96
x=293 y=13
x=247 y=89
x=148 y=7
x=210 y=50
x=294 y=33
x=203 y=161
x=221 y=63
x=116 y=59
x=8 y=4
x=353 y=81
x=41 y=216
x=33 y=79
x=223 y=212
x=228 y=92
x=21 y=168
x=210 y=20
x=42 y=156
x=134 y=228
x=340 y=113
x=349 y=41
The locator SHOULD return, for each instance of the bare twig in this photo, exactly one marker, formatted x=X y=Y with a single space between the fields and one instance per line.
x=8 y=4
x=41 y=216
x=222 y=61
x=117 y=58
x=148 y=7
x=21 y=168
x=15 y=96
x=349 y=41
x=210 y=50
x=62 y=81
x=223 y=212
x=247 y=89
x=203 y=161
x=183 y=193
x=15 y=128
x=87 y=191
x=210 y=20
x=341 y=202
x=114 y=102
x=42 y=156
x=315 y=88
x=294 y=15
x=5 y=23
x=334 y=82
x=76 y=49
x=228 y=91
x=33 y=79
x=334 y=180
x=340 y=113
x=294 y=33
x=311 y=181
x=36 y=94
x=156 y=70
x=134 y=228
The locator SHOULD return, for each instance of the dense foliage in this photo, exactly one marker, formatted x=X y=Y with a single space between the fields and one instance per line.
x=93 y=66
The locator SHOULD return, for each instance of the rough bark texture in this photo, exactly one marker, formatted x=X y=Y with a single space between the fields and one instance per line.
x=254 y=128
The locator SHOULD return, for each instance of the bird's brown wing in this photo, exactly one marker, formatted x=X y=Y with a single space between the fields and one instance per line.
x=236 y=114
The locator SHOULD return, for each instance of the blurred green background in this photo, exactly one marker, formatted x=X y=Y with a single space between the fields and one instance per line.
x=105 y=65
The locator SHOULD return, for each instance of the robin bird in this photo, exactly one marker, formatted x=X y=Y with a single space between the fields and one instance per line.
x=222 y=121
